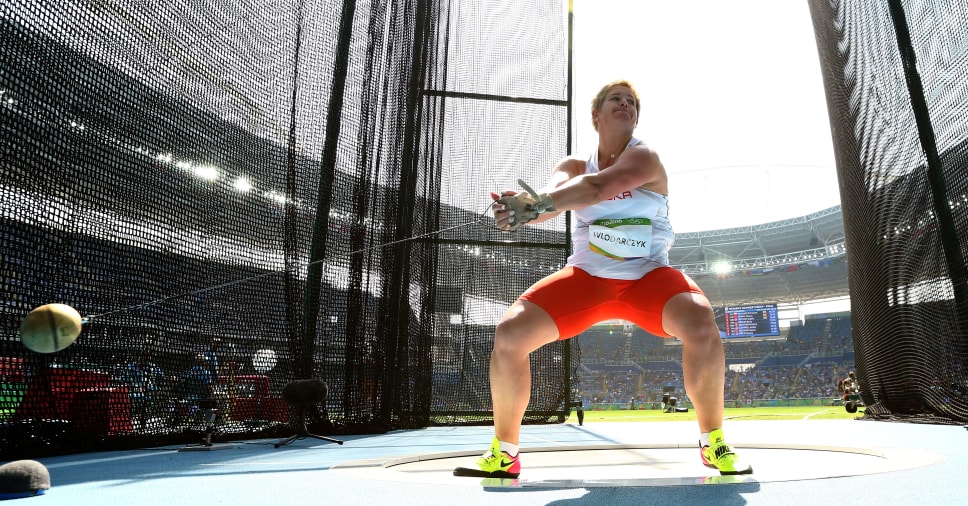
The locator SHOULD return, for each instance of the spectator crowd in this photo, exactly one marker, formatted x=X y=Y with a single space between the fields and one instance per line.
x=626 y=368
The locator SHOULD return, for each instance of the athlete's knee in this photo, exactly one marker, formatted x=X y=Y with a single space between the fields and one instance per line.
x=509 y=339
x=690 y=317
x=520 y=333
x=703 y=332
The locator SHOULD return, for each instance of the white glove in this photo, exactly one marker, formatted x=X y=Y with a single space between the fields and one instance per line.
x=525 y=206
x=542 y=202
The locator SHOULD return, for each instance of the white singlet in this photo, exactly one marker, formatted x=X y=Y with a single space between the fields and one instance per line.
x=625 y=236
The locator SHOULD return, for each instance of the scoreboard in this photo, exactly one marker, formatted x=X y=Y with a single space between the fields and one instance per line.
x=758 y=320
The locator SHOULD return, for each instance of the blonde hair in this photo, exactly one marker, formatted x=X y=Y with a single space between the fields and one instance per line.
x=600 y=96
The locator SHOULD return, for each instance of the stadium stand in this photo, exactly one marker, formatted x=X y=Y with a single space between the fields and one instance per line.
x=803 y=368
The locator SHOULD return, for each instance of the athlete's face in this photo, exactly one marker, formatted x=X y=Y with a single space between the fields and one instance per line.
x=617 y=110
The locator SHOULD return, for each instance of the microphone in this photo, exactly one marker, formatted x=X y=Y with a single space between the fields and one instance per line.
x=302 y=396
x=308 y=391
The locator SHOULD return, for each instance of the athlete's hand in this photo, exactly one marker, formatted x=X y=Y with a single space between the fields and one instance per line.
x=510 y=210
x=513 y=209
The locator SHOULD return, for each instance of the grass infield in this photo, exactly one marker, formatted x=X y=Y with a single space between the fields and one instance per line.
x=759 y=413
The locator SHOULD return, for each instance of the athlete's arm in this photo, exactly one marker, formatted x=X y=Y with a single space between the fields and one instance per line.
x=565 y=170
x=638 y=166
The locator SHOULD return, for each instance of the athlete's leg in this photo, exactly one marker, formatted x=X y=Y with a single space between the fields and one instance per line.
x=689 y=317
x=524 y=328
x=560 y=306
x=666 y=302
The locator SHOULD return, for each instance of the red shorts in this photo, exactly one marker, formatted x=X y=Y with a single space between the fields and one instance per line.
x=577 y=300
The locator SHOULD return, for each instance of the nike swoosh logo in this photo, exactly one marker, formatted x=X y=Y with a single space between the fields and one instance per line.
x=505 y=463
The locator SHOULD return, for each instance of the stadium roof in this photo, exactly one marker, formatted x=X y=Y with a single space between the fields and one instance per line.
x=788 y=261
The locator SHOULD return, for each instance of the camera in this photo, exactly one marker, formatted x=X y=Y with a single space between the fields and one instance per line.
x=669 y=404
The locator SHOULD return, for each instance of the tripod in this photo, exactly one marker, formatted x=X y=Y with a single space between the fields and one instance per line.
x=303 y=395
x=300 y=424
x=209 y=414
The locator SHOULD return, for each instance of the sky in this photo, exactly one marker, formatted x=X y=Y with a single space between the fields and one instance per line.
x=732 y=100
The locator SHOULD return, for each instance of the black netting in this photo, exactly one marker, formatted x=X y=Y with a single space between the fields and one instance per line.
x=896 y=76
x=238 y=195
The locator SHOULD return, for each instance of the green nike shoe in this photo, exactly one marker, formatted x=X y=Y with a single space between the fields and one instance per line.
x=720 y=456
x=498 y=464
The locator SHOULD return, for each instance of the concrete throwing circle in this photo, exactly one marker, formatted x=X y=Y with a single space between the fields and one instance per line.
x=646 y=466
